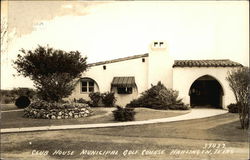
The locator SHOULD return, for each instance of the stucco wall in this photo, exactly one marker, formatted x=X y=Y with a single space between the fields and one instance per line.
x=103 y=78
x=123 y=99
x=184 y=77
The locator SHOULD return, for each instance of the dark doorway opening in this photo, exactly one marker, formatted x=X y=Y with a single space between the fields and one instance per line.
x=206 y=91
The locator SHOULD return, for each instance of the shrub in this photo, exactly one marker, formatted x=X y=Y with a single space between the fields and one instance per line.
x=108 y=99
x=124 y=114
x=6 y=100
x=30 y=93
x=98 y=99
x=233 y=108
x=10 y=96
x=22 y=102
x=81 y=100
x=7 y=97
x=95 y=98
x=180 y=106
x=159 y=97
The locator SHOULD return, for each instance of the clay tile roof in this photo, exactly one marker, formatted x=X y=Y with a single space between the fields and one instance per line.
x=206 y=63
x=118 y=60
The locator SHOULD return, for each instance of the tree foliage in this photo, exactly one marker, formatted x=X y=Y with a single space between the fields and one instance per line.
x=4 y=34
x=52 y=71
x=17 y=92
x=239 y=83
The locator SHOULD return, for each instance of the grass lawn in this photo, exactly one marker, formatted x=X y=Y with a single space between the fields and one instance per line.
x=7 y=107
x=158 y=141
x=15 y=119
x=101 y=115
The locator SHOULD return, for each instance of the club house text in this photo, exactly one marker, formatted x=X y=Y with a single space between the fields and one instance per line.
x=97 y=152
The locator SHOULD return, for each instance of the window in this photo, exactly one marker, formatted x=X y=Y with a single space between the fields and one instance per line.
x=124 y=90
x=84 y=86
x=143 y=59
x=87 y=85
x=104 y=67
x=91 y=86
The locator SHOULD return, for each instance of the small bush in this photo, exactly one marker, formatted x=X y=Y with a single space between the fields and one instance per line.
x=6 y=100
x=22 y=102
x=98 y=99
x=233 y=108
x=108 y=99
x=81 y=100
x=124 y=114
x=95 y=99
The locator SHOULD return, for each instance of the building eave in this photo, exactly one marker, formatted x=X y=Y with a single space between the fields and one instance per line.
x=117 y=60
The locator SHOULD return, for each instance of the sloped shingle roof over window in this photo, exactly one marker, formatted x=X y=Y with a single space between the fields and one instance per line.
x=123 y=82
x=206 y=63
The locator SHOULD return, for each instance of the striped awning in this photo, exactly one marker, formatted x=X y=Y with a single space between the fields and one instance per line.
x=123 y=82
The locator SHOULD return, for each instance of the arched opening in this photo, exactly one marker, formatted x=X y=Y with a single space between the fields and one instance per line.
x=206 y=91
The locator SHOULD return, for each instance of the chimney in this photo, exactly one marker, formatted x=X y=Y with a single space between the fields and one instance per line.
x=158 y=46
x=159 y=64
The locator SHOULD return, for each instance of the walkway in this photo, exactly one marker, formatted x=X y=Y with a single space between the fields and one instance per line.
x=194 y=114
x=16 y=110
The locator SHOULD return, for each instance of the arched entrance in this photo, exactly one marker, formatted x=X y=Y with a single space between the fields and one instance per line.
x=206 y=91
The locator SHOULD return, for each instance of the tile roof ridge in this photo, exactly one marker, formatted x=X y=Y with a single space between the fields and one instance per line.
x=206 y=63
x=202 y=60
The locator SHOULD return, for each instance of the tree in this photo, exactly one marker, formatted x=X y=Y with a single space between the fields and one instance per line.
x=17 y=92
x=239 y=83
x=52 y=71
x=4 y=35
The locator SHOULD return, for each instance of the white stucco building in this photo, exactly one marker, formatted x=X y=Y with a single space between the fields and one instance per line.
x=199 y=82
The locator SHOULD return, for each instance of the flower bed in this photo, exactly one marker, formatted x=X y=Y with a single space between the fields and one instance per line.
x=45 y=110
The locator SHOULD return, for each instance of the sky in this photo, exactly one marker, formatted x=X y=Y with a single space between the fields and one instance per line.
x=106 y=30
